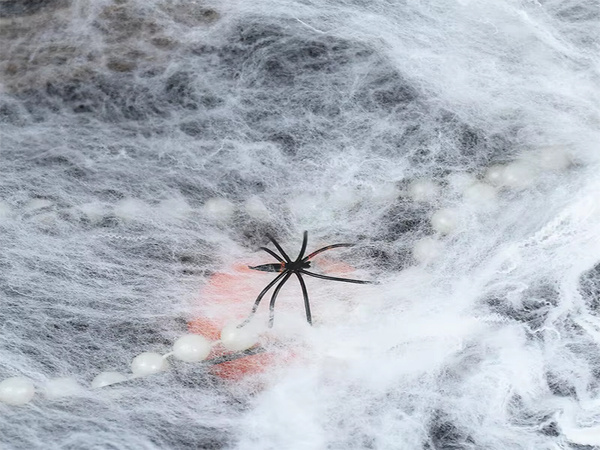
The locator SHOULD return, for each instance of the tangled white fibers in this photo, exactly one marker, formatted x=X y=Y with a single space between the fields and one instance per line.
x=147 y=145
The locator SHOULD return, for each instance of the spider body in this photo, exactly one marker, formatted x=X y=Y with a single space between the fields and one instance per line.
x=286 y=268
x=282 y=267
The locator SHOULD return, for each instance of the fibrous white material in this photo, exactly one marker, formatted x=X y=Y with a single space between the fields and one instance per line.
x=62 y=387
x=107 y=378
x=148 y=146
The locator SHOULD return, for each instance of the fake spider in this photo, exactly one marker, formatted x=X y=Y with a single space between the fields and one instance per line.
x=286 y=268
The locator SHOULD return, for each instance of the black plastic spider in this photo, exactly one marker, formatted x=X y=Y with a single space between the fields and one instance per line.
x=286 y=267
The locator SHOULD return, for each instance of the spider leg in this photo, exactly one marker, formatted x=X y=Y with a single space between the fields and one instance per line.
x=325 y=277
x=285 y=256
x=329 y=247
x=260 y=296
x=303 y=249
x=305 y=294
x=274 y=297
x=273 y=254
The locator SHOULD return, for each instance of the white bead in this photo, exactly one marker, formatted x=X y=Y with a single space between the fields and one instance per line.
x=553 y=158
x=256 y=209
x=148 y=363
x=5 y=210
x=174 y=208
x=191 y=348
x=107 y=378
x=423 y=190
x=494 y=175
x=16 y=391
x=38 y=203
x=306 y=205
x=237 y=339
x=94 y=212
x=218 y=209
x=444 y=220
x=426 y=249
x=385 y=193
x=130 y=209
x=343 y=197
x=517 y=175
x=46 y=219
x=61 y=387
x=459 y=181
x=480 y=193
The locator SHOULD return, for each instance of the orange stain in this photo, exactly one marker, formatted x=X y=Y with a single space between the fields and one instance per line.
x=229 y=297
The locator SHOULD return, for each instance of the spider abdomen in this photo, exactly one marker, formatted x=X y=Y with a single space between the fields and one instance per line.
x=275 y=267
